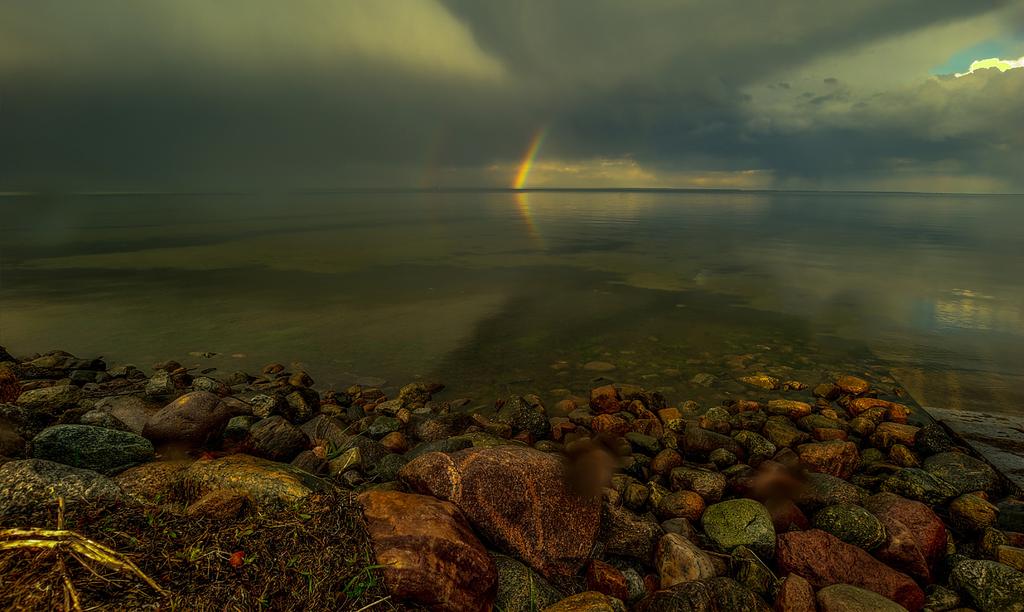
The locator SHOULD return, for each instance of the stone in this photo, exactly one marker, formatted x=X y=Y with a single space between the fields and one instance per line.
x=963 y=472
x=327 y=431
x=851 y=524
x=98 y=418
x=605 y=578
x=679 y=560
x=520 y=589
x=940 y=599
x=153 y=482
x=610 y=424
x=787 y=516
x=795 y=595
x=991 y=586
x=819 y=490
x=450 y=445
x=903 y=456
x=684 y=597
x=1012 y=556
x=791 y=409
x=665 y=461
x=782 y=432
x=836 y=458
x=722 y=458
x=761 y=381
x=50 y=399
x=301 y=405
x=710 y=485
x=348 y=459
x=749 y=570
x=161 y=385
x=848 y=598
x=429 y=554
x=193 y=419
x=30 y=484
x=886 y=434
x=11 y=443
x=740 y=522
x=853 y=385
x=626 y=534
x=518 y=498
x=387 y=468
x=1011 y=515
x=915 y=535
x=395 y=442
x=919 y=485
x=727 y=594
x=264 y=405
x=93 y=448
x=218 y=504
x=132 y=410
x=587 y=601
x=605 y=400
x=681 y=504
x=704 y=379
x=824 y=560
x=517 y=413
x=758 y=447
x=933 y=439
x=700 y=442
x=276 y=439
x=970 y=513
x=715 y=419
x=266 y=483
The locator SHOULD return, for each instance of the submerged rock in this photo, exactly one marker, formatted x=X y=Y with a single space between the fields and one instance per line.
x=429 y=554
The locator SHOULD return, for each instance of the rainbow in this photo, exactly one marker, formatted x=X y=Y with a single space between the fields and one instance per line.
x=531 y=155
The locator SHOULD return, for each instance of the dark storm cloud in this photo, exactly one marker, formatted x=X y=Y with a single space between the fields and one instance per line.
x=187 y=94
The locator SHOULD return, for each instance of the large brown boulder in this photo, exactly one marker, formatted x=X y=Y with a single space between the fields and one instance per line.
x=192 y=419
x=429 y=553
x=518 y=499
x=824 y=560
x=915 y=536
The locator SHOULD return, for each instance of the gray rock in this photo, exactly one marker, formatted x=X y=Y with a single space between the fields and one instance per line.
x=382 y=426
x=192 y=419
x=93 y=448
x=52 y=398
x=132 y=410
x=962 y=472
x=30 y=484
x=264 y=405
x=161 y=385
x=851 y=524
x=276 y=439
x=449 y=445
x=626 y=534
x=848 y=598
x=991 y=586
x=98 y=418
x=520 y=416
x=387 y=467
x=520 y=589
x=919 y=485
x=301 y=405
x=758 y=447
x=709 y=484
x=940 y=598
x=678 y=560
x=740 y=522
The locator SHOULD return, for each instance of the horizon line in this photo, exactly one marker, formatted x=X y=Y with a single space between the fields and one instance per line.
x=484 y=189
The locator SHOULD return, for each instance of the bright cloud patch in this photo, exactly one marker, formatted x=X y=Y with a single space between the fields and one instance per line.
x=993 y=62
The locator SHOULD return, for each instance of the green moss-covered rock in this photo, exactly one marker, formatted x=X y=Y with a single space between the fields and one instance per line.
x=740 y=522
x=851 y=524
x=917 y=484
x=520 y=589
x=92 y=448
x=991 y=586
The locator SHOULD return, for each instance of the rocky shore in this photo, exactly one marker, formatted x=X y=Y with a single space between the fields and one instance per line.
x=267 y=491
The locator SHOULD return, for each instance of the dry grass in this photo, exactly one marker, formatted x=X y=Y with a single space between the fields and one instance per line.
x=314 y=556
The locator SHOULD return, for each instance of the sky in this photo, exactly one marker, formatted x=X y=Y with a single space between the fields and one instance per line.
x=236 y=95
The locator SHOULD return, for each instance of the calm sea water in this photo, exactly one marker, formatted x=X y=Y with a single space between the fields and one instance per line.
x=496 y=292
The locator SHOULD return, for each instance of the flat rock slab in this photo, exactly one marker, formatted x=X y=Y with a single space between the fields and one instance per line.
x=999 y=438
x=29 y=484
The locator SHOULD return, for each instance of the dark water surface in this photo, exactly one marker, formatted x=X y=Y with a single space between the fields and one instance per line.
x=496 y=292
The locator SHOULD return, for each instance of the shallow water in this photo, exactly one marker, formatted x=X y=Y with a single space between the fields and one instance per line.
x=496 y=292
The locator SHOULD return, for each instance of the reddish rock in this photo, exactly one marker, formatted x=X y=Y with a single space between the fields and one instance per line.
x=429 y=553
x=790 y=408
x=853 y=385
x=786 y=516
x=10 y=388
x=824 y=560
x=561 y=426
x=916 y=537
x=518 y=499
x=836 y=458
x=605 y=400
x=827 y=434
x=395 y=442
x=665 y=461
x=610 y=424
x=604 y=578
x=669 y=414
x=191 y=419
x=862 y=404
x=681 y=504
x=888 y=434
x=795 y=595
x=648 y=427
